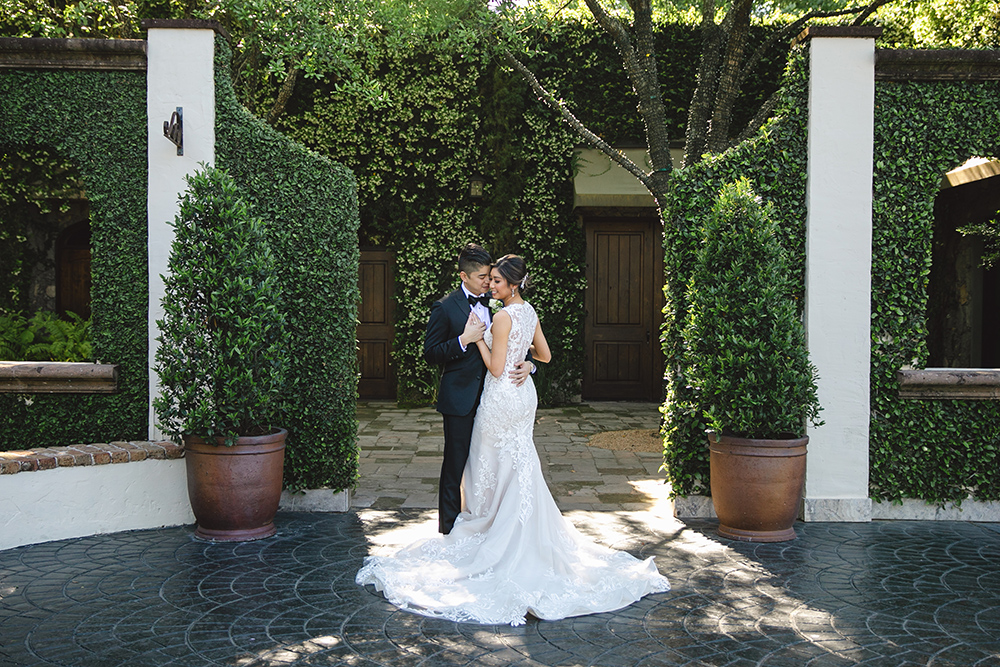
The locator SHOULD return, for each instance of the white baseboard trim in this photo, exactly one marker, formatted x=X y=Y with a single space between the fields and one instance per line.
x=918 y=510
x=860 y=510
x=848 y=510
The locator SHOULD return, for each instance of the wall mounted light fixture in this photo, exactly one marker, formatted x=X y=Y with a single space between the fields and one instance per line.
x=174 y=129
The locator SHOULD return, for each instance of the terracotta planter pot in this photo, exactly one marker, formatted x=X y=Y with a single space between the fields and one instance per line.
x=234 y=491
x=757 y=486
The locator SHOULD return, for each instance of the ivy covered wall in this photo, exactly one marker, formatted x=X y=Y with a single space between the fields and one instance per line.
x=935 y=450
x=448 y=116
x=938 y=450
x=97 y=121
x=310 y=209
x=775 y=163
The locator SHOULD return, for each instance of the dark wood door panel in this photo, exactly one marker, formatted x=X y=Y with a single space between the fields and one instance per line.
x=623 y=302
x=376 y=325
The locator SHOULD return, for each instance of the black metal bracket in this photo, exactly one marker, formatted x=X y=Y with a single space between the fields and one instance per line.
x=174 y=129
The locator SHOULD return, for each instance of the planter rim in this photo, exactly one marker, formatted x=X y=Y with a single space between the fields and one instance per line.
x=791 y=441
x=250 y=444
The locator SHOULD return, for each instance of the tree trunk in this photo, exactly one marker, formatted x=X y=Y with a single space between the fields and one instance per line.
x=651 y=100
x=640 y=66
x=718 y=133
x=696 y=132
x=284 y=94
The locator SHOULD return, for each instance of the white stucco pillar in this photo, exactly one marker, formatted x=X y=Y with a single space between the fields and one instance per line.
x=180 y=73
x=838 y=267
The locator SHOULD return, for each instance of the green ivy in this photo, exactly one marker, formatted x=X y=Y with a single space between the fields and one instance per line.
x=449 y=115
x=309 y=205
x=774 y=163
x=97 y=122
x=937 y=450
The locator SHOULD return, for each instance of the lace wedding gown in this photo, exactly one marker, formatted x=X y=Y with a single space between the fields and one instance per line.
x=511 y=552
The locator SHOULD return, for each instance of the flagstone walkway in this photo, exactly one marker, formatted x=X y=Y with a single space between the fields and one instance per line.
x=401 y=457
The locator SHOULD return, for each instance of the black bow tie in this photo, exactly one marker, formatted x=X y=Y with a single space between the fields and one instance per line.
x=485 y=300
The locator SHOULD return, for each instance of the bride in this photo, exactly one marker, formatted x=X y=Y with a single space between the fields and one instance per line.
x=511 y=552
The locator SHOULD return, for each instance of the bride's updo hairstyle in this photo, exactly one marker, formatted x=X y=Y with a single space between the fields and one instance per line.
x=513 y=269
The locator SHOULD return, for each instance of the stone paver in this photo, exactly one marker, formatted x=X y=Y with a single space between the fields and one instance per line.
x=880 y=594
x=401 y=457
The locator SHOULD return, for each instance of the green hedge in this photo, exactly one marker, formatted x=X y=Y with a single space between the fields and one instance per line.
x=775 y=164
x=97 y=121
x=449 y=116
x=309 y=205
x=938 y=450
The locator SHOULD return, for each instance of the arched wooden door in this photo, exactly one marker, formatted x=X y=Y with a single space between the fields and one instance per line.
x=624 y=303
x=376 y=324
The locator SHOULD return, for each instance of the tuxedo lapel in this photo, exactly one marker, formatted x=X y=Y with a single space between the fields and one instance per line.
x=460 y=306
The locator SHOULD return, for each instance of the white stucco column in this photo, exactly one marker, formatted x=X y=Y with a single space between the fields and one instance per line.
x=838 y=267
x=180 y=73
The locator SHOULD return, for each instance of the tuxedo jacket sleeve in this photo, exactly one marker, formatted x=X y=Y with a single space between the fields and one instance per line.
x=462 y=372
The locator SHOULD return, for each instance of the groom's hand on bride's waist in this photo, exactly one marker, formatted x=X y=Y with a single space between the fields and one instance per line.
x=522 y=370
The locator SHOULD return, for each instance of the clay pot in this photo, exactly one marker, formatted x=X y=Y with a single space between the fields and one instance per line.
x=757 y=486
x=234 y=491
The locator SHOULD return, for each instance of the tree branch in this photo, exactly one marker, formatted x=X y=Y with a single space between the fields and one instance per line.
x=760 y=117
x=793 y=29
x=591 y=138
x=696 y=131
x=728 y=88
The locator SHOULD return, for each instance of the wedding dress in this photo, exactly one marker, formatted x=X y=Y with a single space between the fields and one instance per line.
x=511 y=552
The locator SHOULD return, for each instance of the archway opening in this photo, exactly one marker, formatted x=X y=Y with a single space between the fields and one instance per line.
x=963 y=310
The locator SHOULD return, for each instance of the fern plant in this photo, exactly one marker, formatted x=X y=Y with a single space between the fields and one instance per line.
x=44 y=337
x=58 y=339
x=15 y=336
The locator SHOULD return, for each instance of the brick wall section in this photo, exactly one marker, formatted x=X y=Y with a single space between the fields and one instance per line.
x=87 y=455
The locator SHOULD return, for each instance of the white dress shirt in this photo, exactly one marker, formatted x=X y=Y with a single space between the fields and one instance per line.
x=481 y=311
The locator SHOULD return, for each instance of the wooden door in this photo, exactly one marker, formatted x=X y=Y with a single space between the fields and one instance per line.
x=376 y=326
x=624 y=300
x=73 y=280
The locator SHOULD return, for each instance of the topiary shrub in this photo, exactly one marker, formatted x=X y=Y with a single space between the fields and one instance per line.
x=745 y=340
x=221 y=357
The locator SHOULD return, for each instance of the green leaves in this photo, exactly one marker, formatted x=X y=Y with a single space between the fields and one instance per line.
x=221 y=357
x=746 y=354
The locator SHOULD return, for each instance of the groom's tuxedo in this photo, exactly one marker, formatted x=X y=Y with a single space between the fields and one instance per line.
x=458 y=395
x=463 y=372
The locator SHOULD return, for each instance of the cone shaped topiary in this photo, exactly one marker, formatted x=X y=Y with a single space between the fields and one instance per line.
x=746 y=341
x=221 y=358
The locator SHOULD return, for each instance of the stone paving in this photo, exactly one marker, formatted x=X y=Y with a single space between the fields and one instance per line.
x=881 y=594
x=401 y=457
x=877 y=594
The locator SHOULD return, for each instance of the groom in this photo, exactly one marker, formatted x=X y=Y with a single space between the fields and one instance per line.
x=457 y=321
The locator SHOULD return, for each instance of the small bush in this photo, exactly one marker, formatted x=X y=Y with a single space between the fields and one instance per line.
x=221 y=357
x=745 y=340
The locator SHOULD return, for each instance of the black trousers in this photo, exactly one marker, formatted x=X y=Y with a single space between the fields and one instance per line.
x=457 y=438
